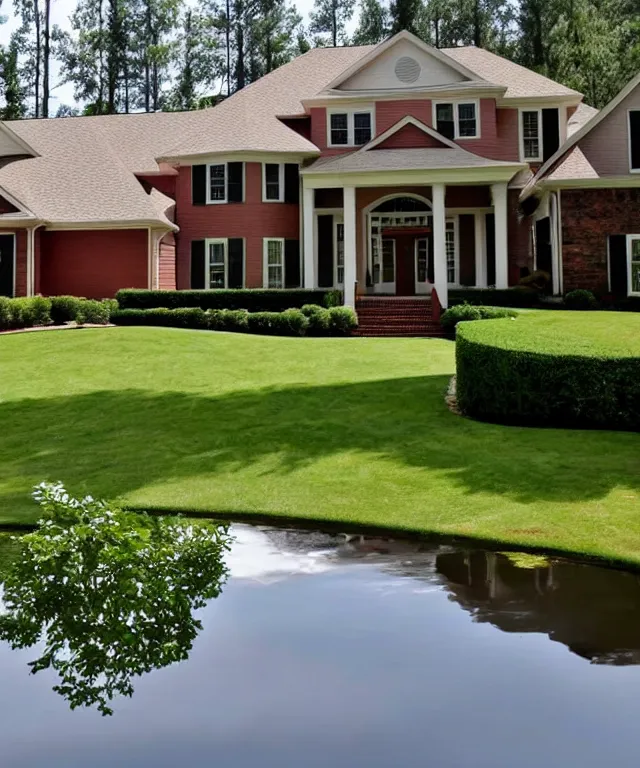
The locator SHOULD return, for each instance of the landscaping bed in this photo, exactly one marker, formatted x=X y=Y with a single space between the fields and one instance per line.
x=332 y=431
x=570 y=369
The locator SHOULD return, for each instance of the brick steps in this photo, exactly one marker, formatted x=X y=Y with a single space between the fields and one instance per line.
x=396 y=318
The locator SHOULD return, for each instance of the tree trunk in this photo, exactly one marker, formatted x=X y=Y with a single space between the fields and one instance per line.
x=334 y=22
x=477 y=32
x=46 y=57
x=228 y=36
x=113 y=57
x=147 y=67
x=36 y=19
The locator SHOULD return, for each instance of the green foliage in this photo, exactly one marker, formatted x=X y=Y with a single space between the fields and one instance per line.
x=332 y=298
x=538 y=280
x=185 y=317
x=253 y=300
x=110 y=595
x=342 y=321
x=24 y=312
x=64 y=308
x=520 y=296
x=330 y=17
x=457 y=314
x=12 y=88
x=319 y=320
x=511 y=375
x=373 y=23
x=93 y=312
x=232 y=320
x=580 y=300
x=291 y=322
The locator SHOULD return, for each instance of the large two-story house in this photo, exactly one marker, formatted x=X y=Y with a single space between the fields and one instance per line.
x=391 y=169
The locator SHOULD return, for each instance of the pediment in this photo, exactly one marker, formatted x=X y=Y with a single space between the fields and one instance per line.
x=410 y=137
x=403 y=63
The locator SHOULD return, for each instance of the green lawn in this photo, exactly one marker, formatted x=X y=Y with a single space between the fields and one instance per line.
x=331 y=429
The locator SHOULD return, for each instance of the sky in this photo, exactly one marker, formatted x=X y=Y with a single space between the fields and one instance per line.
x=60 y=13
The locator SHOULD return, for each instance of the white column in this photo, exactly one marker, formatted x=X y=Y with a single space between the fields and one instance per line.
x=481 y=250
x=349 y=246
x=499 y=195
x=308 y=200
x=439 y=245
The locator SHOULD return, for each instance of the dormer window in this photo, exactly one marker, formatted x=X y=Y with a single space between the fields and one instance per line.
x=531 y=135
x=350 y=128
x=457 y=120
x=634 y=140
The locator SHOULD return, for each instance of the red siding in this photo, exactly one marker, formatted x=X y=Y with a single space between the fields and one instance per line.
x=252 y=220
x=165 y=183
x=388 y=113
x=93 y=263
x=37 y=241
x=519 y=240
x=167 y=263
x=319 y=132
x=409 y=137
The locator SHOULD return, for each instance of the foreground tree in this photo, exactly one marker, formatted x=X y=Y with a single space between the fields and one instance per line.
x=373 y=23
x=110 y=595
x=12 y=90
x=330 y=17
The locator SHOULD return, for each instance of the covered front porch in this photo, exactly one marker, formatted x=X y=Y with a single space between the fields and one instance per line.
x=405 y=232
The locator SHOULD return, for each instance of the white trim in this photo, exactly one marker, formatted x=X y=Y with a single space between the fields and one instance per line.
x=338 y=218
x=265 y=261
x=456 y=117
x=226 y=182
x=15 y=249
x=350 y=112
x=455 y=220
x=408 y=120
x=212 y=241
x=280 y=198
x=540 y=154
x=246 y=156
x=462 y=91
x=630 y=239
x=362 y=63
x=421 y=287
x=631 y=168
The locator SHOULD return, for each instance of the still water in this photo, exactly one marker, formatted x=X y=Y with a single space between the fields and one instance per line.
x=331 y=651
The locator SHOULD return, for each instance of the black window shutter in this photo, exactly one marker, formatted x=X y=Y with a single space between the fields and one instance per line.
x=197 y=263
x=235 y=257
x=634 y=137
x=291 y=183
x=618 y=265
x=291 y=263
x=325 y=251
x=235 y=172
x=550 y=132
x=430 y=264
x=543 y=244
x=199 y=184
x=491 y=248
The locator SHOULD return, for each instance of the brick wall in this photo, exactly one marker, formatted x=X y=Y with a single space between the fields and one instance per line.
x=93 y=263
x=589 y=216
x=253 y=220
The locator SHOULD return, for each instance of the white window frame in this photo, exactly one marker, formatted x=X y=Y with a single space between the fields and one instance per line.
x=350 y=112
x=523 y=157
x=456 y=117
x=455 y=228
x=338 y=219
x=213 y=241
x=280 y=198
x=265 y=260
x=629 y=111
x=630 y=239
x=226 y=182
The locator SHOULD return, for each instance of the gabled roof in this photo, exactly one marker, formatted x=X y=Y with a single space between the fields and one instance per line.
x=402 y=123
x=379 y=49
x=573 y=140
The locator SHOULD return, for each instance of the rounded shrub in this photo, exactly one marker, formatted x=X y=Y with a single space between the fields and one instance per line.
x=580 y=300
x=318 y=320
x=342 y=321
x=521 y=373
x=64 y=308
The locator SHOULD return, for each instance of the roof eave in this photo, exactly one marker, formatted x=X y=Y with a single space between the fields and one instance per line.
x=240 y=154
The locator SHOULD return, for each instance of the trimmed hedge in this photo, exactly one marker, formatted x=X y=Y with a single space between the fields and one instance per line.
x=249 y=299
x=317 y=321
x=24 y=312
x=457 y=314
x=528 y=385
x=580 y=300
x=65 y=309
x=519 y=296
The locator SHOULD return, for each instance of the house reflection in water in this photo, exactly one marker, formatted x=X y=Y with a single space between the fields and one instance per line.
x=594 y=611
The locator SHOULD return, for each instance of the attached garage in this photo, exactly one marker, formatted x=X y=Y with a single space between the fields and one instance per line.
x=93 y=263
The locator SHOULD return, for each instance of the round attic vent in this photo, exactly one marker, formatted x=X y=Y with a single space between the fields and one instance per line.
x=407 y=69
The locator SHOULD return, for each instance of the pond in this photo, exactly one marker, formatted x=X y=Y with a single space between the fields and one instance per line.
x=331 y=650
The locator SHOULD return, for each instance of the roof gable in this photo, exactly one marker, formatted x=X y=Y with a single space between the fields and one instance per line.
x=11 y=144
x=402 y=62
x=409 y=128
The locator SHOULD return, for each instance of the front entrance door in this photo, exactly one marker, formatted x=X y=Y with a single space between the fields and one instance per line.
x=405 y=265
x=7 y=245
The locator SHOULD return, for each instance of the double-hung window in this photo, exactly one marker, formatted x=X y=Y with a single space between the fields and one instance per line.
x=457 y=120
x=531 y=134
x=450 y=251
x=274 y=262
x=218 y=183
x=273 y=182
x=217 y=263
x=350 y=129
x=633 y=256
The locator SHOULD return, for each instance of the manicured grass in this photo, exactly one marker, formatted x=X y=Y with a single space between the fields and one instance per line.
x=328 y=429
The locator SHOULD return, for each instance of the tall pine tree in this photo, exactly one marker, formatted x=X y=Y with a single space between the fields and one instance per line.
x=373 y=23
x=330 y=17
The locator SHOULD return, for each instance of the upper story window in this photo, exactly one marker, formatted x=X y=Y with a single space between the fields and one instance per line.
x=225 y=183
x=457 y=120
x=350 y=128
x=273 y=182
x=634 y=140
x=531 y=134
